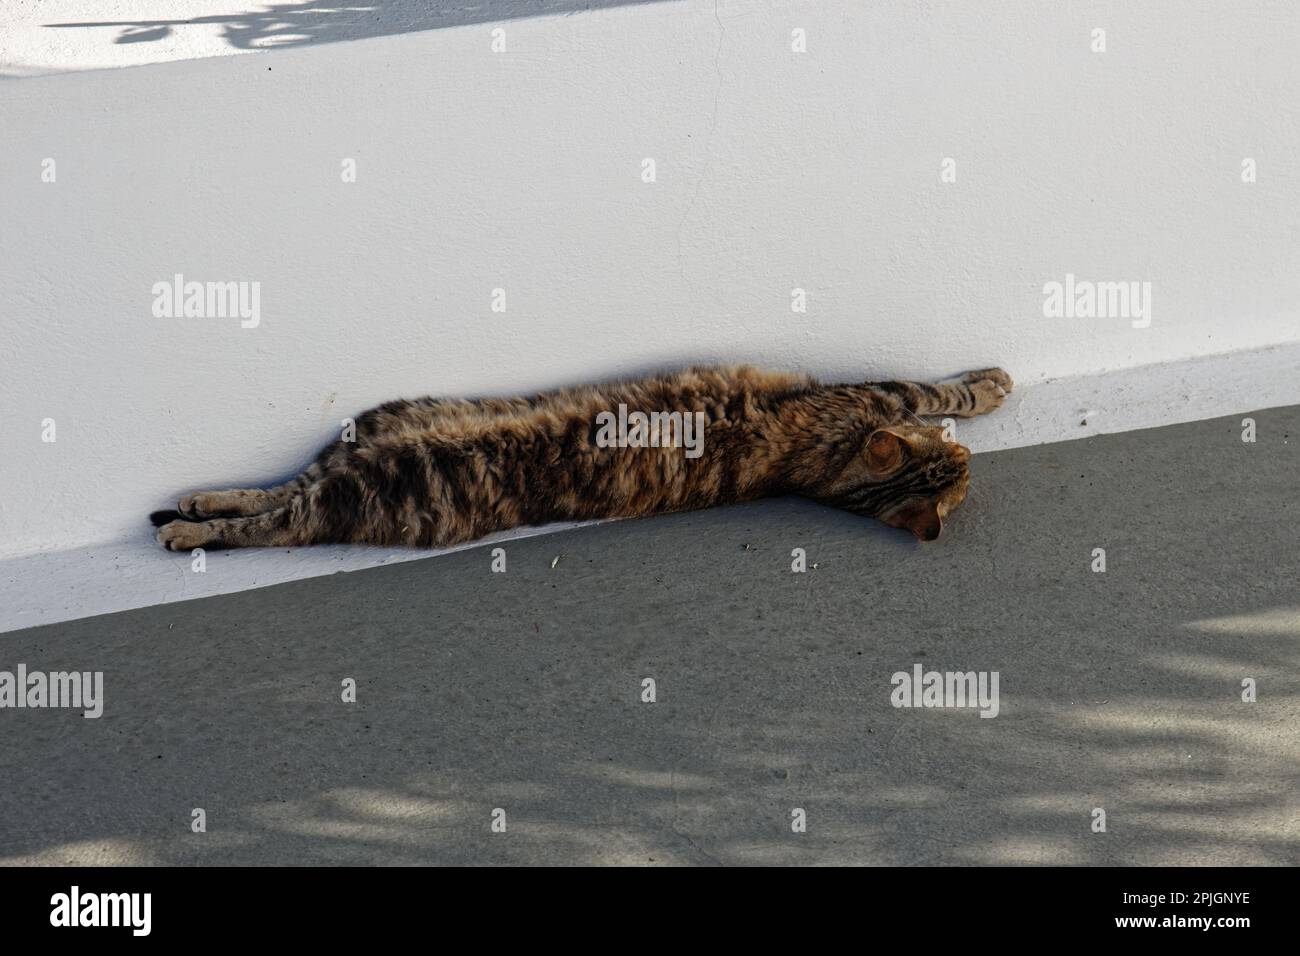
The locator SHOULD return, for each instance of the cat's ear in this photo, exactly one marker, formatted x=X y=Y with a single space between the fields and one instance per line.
x=920 y=517
x=884 y=449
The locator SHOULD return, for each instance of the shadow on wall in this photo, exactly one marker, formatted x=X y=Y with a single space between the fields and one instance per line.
x=325 y=21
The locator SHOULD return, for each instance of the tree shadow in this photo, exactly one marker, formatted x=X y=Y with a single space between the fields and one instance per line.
x=321 y=21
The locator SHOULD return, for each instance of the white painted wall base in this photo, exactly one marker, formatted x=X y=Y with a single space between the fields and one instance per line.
x=64 y=585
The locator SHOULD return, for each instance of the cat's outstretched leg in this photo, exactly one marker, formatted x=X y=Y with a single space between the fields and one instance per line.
x=975 y=393
x=264 y=530
x=237 y=502
x=280 y=528
x=330 y=511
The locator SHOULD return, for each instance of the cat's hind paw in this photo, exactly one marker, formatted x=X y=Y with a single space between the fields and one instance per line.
x=186 y=535
x=191 y=507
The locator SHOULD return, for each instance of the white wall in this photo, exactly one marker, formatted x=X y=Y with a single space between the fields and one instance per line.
x=522 y=170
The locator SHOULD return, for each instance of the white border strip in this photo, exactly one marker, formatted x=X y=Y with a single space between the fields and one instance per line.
x=55 y=586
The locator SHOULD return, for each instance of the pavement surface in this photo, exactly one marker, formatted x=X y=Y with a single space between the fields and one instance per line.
x=518 y=696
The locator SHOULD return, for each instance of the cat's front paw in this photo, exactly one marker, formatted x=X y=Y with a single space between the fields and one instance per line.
x=184 y=535
x=997 y=376
x=989 y=387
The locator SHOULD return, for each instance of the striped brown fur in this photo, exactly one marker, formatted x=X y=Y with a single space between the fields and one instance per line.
x=435 y=472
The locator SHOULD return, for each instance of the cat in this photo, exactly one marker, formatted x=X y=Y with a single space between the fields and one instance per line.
x=436 y=472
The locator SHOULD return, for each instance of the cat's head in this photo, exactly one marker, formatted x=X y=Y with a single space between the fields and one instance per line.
x=908 y=476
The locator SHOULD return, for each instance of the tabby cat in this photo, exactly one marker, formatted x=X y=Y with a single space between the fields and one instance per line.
x=434 y=472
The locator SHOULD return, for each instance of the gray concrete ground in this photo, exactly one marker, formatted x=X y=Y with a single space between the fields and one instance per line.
x=522 y=691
